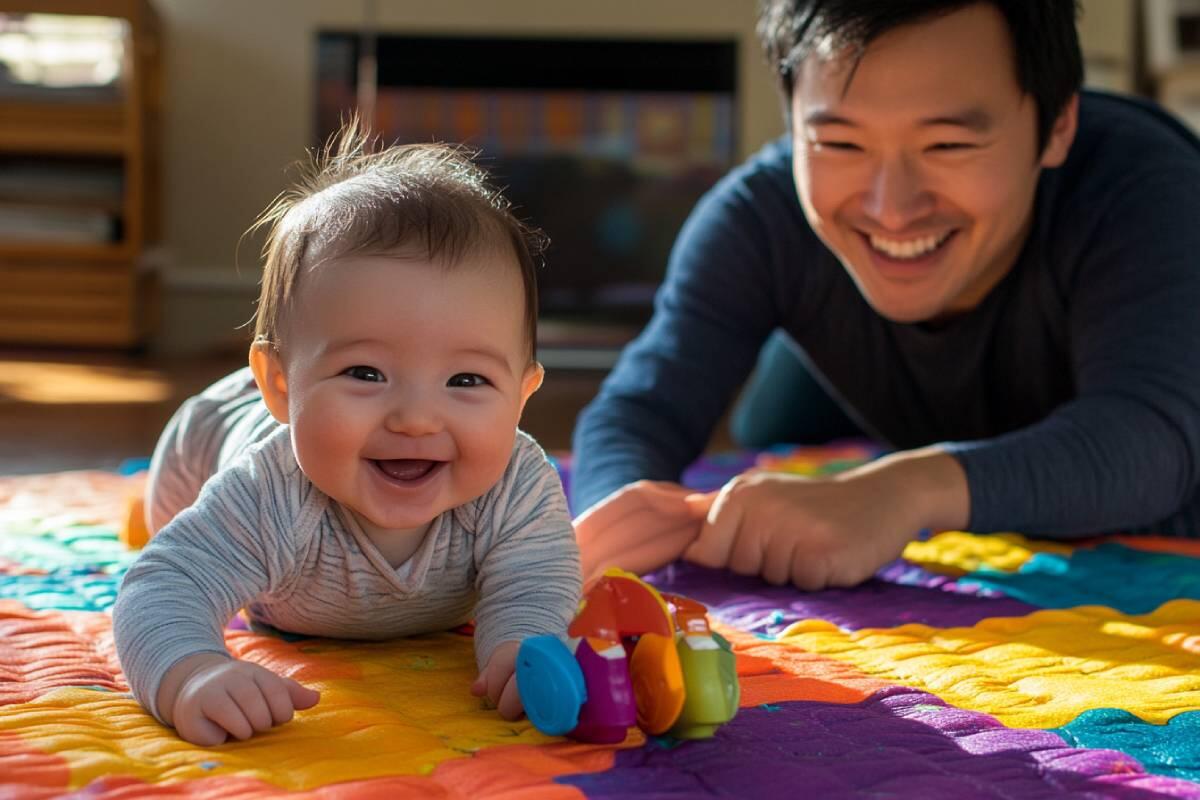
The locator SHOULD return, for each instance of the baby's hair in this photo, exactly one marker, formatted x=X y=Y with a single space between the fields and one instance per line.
x=353 y=198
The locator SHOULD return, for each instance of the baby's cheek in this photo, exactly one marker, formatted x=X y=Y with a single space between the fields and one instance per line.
x=485 y=457
x=323 y=442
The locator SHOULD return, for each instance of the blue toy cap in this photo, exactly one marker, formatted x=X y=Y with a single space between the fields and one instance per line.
x=551 y=685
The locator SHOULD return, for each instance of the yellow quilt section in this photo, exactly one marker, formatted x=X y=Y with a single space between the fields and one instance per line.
x=400 y=707
x=1038 y=671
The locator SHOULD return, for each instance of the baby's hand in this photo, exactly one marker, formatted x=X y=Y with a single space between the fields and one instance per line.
x=219 y=697
x=498 y=681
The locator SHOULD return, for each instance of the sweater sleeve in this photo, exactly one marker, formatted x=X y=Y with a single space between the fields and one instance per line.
x=1122 y=454
x=529 y=576
x=720 y=300
x=232 y=544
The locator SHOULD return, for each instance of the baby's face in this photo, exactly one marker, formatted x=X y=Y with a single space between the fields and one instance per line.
x=405 y=382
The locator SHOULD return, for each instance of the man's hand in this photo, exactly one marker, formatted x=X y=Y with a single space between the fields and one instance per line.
x=498 y=681
x=836 y=531
x=640 y=527
x=209 y=697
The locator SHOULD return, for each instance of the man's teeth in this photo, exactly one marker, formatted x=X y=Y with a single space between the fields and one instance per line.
x=912 y=248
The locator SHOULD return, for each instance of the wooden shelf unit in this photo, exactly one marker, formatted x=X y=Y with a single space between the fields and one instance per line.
x=99 y=294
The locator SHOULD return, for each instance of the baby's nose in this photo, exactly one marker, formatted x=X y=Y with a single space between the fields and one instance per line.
x=413 y=415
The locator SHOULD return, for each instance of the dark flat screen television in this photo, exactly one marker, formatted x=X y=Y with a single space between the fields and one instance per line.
x=605 y=144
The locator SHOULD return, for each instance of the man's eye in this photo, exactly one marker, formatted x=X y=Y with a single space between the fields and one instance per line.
x=361 y=373
x=951 y=146
x=843 y=146
x=467 y=380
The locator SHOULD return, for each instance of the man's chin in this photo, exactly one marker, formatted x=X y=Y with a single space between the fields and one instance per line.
x=905 y=310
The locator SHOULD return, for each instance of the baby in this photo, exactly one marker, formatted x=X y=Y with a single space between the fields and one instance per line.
x=365 y=477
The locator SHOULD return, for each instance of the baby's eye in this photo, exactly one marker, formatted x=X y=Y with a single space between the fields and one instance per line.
x=363 y=373
x=467 y=380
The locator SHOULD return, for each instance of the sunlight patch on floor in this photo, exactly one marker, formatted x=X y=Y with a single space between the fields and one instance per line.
x=57 y=383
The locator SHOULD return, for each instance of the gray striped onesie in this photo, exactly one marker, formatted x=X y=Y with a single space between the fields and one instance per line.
x=241 y=526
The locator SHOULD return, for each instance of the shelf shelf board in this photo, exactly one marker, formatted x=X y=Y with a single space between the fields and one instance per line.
x=112 y=205
x=66 y=128
x=126 y=9
x=13 y=251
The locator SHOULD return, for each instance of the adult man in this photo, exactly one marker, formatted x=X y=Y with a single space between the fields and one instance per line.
x=992 y=273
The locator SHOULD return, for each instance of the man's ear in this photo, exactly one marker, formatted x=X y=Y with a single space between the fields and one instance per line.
x=1058 y=143
x=532 y=381
x=268 y=374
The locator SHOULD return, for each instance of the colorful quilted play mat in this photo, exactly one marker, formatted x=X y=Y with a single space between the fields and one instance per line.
x=976 y=667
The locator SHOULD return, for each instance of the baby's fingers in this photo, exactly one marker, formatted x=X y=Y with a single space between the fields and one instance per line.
x=302 y=696
x=224 y=711
x=284 y=696
x=510 y=700
x=194 y=727
x=252 y=700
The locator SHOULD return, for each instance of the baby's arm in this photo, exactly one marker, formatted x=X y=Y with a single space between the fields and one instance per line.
x=212 y=559
x=529 y=574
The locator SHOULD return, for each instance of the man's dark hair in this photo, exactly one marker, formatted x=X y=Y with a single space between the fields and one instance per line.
x=1045 y=41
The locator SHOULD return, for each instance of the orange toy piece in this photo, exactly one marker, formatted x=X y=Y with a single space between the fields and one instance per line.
x=619 y=606
x=658 y=686
x=134 y=534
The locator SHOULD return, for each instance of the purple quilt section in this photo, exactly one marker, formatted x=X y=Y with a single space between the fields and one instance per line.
x=896 y=743
x=900 y=594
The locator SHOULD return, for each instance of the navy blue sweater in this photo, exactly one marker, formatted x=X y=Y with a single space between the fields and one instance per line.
x=1070 y=395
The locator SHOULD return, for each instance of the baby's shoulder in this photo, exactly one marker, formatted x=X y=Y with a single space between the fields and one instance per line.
x=528 y=467
x=267 y=480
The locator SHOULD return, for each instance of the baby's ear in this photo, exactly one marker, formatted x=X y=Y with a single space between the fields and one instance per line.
x=532 y=381
x=268 y=374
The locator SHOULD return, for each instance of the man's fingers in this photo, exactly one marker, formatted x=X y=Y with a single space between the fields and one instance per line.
x=700 y=503
x=645 y=555
x=629 y=500
x=713 y=546
x=664 y=547
x=750 y=548
x=810 y=569
x=777 y=560
x=640 y=528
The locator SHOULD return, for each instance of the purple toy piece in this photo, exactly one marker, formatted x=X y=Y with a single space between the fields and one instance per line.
x=610 y=708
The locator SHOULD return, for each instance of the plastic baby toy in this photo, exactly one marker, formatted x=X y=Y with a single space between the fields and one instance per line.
x=634 y=656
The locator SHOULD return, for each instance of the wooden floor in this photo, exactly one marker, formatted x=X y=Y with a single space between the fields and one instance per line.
x=64 y=410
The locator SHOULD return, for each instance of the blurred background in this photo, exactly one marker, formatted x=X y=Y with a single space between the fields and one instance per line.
x=140 y=138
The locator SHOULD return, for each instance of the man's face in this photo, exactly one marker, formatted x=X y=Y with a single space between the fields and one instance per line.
x=920 y=173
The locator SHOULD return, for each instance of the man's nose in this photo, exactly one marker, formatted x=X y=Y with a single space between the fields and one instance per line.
x=414 y=412
x=897 y=195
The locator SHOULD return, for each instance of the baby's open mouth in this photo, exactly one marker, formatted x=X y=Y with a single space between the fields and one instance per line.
x=407 y=469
